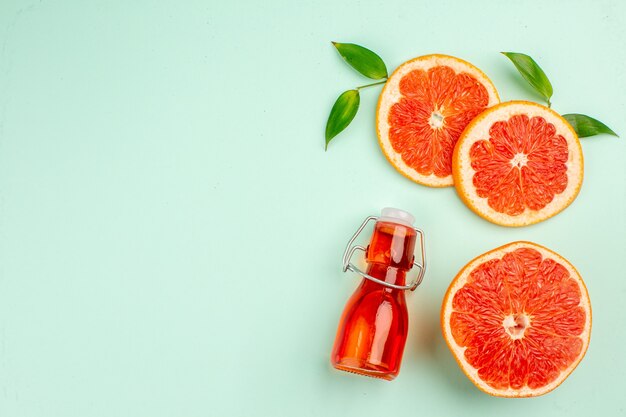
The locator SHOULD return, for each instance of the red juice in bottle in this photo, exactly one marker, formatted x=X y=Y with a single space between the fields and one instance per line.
x=373 y=327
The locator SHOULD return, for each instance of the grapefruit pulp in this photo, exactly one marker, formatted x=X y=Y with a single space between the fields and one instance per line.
x=422 y=110
x=518 y=163
x=517 y=320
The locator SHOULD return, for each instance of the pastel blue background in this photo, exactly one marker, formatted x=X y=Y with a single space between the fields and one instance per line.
x=171 y=228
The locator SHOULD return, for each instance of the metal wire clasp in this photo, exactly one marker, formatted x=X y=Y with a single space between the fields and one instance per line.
x=349 y=266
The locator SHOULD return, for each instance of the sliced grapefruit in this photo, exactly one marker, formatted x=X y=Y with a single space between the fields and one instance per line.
x=517 y=320
x=422 y=110
x=518 y=163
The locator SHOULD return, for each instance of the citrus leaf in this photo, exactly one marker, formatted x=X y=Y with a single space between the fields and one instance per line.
x=363 y=60
x=342 y=113
x=532 y=73
x=587 y=126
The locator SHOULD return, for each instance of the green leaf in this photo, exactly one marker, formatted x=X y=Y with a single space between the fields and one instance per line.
x=532 y=73
x=363 y=60
x=342 y=113
x=587 y=126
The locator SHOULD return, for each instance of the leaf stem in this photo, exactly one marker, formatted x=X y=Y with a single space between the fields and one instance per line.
x=371 y=85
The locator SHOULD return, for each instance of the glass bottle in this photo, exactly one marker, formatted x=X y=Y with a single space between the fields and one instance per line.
x=373 y=328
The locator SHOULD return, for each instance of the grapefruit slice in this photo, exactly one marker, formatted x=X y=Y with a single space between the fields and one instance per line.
x=518 y=163
x=422 y=110
x=517 y=320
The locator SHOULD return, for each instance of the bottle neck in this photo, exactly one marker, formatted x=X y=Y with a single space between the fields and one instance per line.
x=390 y=253
x=389 y=274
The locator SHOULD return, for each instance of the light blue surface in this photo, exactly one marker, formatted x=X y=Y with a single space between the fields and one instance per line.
x=171 y=228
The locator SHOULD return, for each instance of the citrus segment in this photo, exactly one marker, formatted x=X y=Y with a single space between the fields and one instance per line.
x=518 y=163
x=422 y=111
x=517 y=319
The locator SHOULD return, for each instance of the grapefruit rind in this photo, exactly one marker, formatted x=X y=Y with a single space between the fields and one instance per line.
x=478 y=129
x=391 y=95
x=458 y=351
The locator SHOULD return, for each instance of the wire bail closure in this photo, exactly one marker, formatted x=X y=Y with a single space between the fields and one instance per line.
x=349 y=266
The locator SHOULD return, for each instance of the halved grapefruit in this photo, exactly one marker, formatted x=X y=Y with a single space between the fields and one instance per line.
x=518 y=163
x=517 y=320
x=422 y=110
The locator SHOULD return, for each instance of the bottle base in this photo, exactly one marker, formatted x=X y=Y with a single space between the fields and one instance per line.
x=365 y=369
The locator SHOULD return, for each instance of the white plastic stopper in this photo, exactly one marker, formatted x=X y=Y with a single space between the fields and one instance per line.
x=394 y=215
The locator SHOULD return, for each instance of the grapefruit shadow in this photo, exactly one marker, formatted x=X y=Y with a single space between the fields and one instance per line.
x=426 y=341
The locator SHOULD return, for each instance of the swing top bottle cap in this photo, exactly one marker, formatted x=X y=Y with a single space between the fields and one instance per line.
x=394 y=215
